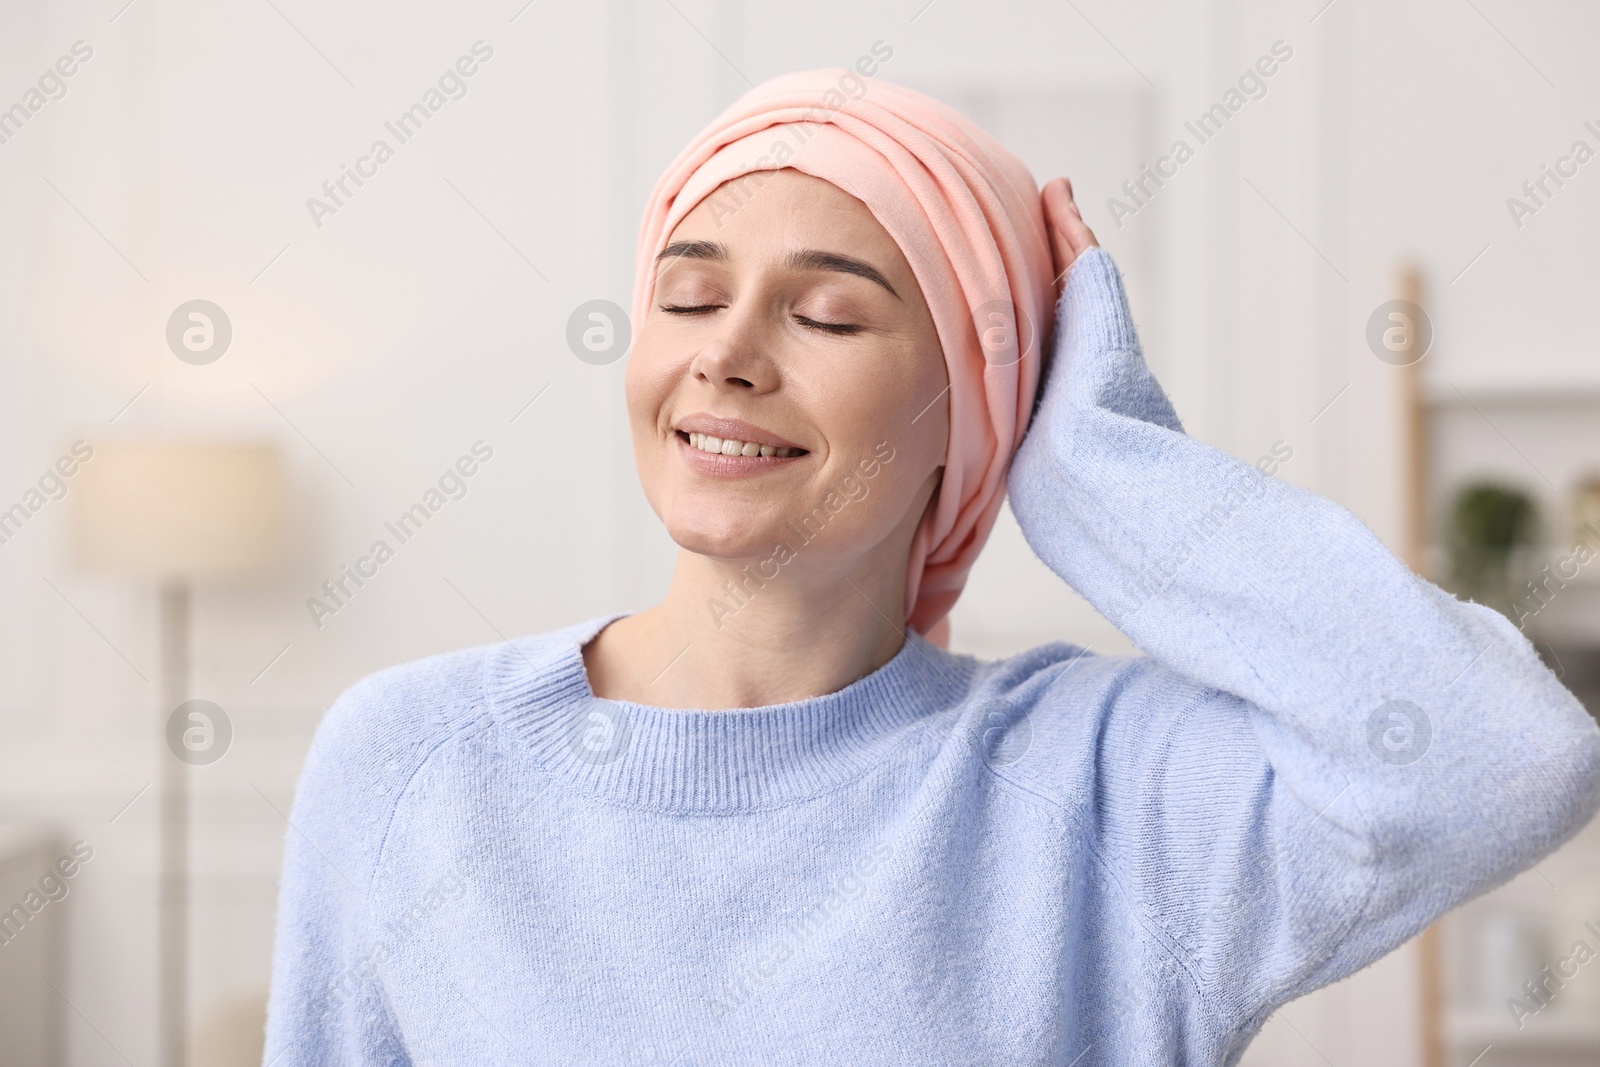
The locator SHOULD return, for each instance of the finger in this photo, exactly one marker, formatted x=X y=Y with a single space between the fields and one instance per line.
x=1077 y=232
x=1057 y=209
x=1066 y=218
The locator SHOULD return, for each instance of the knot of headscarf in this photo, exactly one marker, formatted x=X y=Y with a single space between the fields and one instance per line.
x=967 y=216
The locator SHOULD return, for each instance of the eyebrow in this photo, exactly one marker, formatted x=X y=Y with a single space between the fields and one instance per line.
x=800 y=259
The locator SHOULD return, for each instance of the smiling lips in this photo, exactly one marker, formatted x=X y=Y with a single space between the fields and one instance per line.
x=727 y=446
x=724 y=447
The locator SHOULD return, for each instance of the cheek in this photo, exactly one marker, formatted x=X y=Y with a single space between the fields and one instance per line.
x=888 y=434
x=643 y=387
x=646 y=381
x=901 y=409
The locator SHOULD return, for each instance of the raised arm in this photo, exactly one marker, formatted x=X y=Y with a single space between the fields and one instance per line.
x=1328 y=751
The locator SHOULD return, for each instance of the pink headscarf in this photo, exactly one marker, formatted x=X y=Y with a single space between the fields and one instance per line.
x=967 y=216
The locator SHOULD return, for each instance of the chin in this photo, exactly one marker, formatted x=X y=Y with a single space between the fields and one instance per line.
x=722 y=532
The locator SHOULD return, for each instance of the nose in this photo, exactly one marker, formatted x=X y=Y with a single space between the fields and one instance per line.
x=736 y=354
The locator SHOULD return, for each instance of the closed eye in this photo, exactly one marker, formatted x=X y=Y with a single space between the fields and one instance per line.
x=829 y=327
x=813 y=324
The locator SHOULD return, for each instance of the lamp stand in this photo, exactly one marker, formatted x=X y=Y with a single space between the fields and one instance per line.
x=173 y=924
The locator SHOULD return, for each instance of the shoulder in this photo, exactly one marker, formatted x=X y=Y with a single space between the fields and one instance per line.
x=412 y=705
x=1066 y=723
x=404 y=708
x=1067 y=681
x=381 y=731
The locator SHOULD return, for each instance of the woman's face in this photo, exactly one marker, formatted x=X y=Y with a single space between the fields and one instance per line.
x=796 y=321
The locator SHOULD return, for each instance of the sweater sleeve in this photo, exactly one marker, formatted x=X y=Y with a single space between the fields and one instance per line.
x=327 y=1004
x=1326 y=752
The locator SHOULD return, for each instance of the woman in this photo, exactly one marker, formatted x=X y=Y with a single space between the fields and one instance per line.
x=769 y=821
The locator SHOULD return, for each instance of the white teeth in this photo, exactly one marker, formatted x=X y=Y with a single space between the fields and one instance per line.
x=729 y=447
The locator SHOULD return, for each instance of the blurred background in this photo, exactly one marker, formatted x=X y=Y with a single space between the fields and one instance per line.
x=228 y=368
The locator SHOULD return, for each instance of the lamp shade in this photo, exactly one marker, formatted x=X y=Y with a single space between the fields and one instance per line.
x=178 y=510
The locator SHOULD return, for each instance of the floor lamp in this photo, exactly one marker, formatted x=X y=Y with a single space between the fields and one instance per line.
x=177 y=514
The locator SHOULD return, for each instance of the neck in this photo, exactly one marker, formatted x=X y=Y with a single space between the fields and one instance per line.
x=724 y=636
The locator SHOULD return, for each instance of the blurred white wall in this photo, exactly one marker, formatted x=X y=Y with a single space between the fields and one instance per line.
x=427 y=312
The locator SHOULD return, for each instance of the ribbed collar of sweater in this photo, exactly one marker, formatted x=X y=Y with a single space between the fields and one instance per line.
x=739 y=759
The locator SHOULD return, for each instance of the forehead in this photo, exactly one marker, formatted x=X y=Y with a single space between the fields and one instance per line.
x=783 y=208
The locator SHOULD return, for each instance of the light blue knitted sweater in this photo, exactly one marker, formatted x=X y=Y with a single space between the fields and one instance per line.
x=1058 y=858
